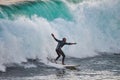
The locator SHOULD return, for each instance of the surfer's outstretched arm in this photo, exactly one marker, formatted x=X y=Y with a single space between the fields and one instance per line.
x=71 y=43
x=54 y=37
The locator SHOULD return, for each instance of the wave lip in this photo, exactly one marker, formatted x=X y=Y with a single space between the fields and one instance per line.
x=9 y=2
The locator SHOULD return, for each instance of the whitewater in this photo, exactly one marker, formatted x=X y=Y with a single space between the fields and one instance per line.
x=25 y=33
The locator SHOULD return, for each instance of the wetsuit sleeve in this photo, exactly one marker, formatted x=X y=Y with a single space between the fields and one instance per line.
x=70 y=43
x=56 y=39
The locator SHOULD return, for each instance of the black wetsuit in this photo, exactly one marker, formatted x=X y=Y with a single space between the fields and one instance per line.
x=58 y=49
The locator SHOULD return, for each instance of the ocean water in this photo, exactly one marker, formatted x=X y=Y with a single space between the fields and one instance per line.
x=25 y=39
x=102 y=67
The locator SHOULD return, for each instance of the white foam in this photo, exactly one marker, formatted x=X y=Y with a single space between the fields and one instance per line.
x=29 y=66
x=55 y=65
x=24 y=38
x=2 y=68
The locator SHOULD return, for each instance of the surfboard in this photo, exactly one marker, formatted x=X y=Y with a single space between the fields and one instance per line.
x=71 y=67
x=67 y=66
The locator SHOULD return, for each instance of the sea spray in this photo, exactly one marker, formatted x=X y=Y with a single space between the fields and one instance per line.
x=101 y=19
x=23 y=38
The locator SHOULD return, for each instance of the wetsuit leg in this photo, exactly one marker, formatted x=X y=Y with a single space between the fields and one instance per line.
x=58 y=53
x=62 y=53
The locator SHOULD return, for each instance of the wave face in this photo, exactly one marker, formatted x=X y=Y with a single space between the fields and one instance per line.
x=25 y=29
x=46 y=9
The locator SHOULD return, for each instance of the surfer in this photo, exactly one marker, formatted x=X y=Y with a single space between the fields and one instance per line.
x=60 y=44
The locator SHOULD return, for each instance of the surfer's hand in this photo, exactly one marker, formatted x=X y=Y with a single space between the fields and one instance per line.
x=74 y=43
x=52 y=34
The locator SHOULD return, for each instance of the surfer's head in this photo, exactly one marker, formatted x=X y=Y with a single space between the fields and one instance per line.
x=64 y=39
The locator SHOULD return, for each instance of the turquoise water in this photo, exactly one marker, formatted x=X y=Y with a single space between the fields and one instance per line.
x=75 y=1
x=49 y=10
